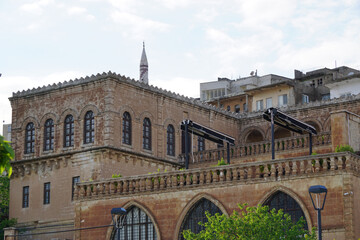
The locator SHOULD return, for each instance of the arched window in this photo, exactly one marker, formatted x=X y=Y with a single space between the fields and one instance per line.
x=30 y=138
x=89 y=127
x=69 y=131
x=197 y=214
x=137 y=226
x=147 y=134
x=49 y=135
x=126 y=137
x=170 y=140
x=281 y=200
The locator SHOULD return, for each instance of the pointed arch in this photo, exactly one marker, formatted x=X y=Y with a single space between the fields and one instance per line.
x=252 y=130
x=190 y=206
x=281 y=189
x=131 y=205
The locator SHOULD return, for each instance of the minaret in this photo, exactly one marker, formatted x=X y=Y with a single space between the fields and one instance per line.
x=144 y=67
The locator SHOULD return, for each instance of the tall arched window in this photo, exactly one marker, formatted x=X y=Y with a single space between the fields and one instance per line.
x=49 y=135
x=197 y=214
x=170 y=140
x=69 y=131
x=30 y=138
x=89 y=127
x=281 y=200
x=126 y=137
x=147 y=134
x=138 y=225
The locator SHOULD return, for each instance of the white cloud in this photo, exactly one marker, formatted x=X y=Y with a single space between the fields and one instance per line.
x=80 y=11
x=179 y=85
x=135 y=26
x=36 y=7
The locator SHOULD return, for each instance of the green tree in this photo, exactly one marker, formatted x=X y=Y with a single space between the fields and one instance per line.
x=6 y=155
x=251 y=223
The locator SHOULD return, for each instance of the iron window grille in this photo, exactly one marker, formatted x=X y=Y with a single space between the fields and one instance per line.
x=30 y=138
x=147 y=134
x=69 y=131
x=46 y=193
x=49 y=135
x=89 y=127
x=281 y=200
x=74 y=181
x=197 y=214
x=25 y=202
x=126 y=138
x=137 y=225
x=170 y=143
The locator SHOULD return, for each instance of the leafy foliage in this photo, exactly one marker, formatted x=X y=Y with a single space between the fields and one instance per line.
x=6 y=155
x=251 y=223
x=116 y=175
x=4 y=205
x=344 y=148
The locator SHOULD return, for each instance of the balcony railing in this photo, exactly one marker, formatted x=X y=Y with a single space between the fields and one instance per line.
x=274 y=170
x=258 y=148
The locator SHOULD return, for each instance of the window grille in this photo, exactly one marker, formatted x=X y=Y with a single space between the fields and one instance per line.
x=89 y=127
x=47 y=193
x=170 y=142
x=147 y=134
x=49 y=135
x=30 y=138
x=25 y=202
x=69 y=131
x=126 y=137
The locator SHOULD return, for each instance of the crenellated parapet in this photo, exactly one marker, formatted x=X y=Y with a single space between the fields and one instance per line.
x=274 y=170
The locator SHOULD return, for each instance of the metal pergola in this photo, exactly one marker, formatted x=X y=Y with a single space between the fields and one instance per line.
x=207 y=133
x=279 y=118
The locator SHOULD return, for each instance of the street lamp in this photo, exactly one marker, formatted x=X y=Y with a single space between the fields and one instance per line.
x=318 y=193
x=118 y=216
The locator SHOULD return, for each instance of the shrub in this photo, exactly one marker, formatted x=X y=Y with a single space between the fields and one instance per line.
x=344 y=148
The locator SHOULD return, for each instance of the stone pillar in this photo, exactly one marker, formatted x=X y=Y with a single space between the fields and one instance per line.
x=344 y=128
x=9 y=233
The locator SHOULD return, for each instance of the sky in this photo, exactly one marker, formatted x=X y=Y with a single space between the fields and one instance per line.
x=187 y=41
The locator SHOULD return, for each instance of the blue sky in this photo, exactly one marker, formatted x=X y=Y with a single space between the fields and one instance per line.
x=187 y=41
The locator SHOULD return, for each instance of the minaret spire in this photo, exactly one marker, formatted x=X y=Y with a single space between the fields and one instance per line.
x=144 y=67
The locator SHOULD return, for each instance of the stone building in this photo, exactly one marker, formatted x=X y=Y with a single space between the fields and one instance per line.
x=70 y=138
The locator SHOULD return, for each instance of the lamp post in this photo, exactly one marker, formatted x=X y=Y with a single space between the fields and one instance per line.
x=318 y=194
x=118 y=216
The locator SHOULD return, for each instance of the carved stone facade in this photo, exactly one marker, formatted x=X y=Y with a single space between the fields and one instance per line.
x=168 y=194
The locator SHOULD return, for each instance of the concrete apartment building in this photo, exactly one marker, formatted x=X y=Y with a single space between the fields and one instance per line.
x=70 y=138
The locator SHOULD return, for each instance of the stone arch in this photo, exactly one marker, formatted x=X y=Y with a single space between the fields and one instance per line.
x=293 y=195
x=28 y=120
x=66 y=112
x=255 y=133
x=49 y=116
x=280 y=132
x=327 y=124
x=127 y=206
x=87 y=108
x=127 y=108
x=148 y=115
x=190 y=205
x=315 y=123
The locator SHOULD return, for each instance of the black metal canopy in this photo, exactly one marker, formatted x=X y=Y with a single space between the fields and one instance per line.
x=288 y=122
x=207 y=133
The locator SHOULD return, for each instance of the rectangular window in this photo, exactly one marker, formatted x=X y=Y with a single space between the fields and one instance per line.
x=47 y=193
x=259 y=105
x=268 y=102
x=325 y=97
x=237 y=108
x=282 y=100
x=74 y=181
x=319 y=81
x=305 y=98
x=25 y=202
